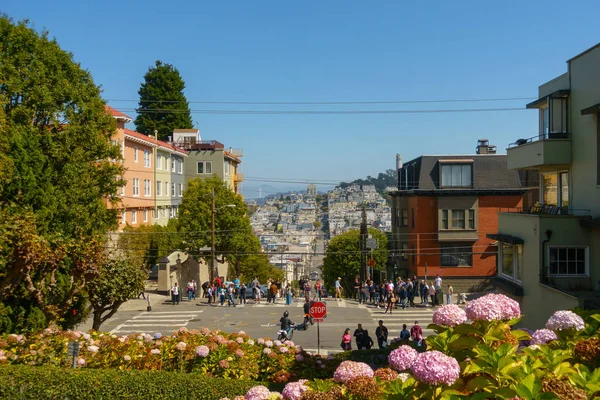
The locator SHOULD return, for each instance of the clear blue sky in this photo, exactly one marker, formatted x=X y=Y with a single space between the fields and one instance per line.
x=330 y=51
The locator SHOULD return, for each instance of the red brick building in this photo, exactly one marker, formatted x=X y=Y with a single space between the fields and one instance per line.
x=443 y=210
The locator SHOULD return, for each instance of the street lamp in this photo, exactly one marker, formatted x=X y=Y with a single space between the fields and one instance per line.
x=212 y=247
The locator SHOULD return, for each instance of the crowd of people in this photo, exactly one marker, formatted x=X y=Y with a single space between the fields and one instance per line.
x=392 y=295
x=364 y=341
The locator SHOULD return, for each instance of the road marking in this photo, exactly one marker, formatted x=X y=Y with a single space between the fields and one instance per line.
x=162 y=320
x=136 y=325
x=178 y=316
x=172 y=312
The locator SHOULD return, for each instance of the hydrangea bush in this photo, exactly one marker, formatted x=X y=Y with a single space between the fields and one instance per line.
x=449 y=315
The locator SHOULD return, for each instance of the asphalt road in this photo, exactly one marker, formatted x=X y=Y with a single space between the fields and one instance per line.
x=261 y=320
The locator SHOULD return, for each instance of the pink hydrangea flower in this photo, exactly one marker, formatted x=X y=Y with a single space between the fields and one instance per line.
x=155 y=351
x=81 y=362
x=239 y=353
x=269 y=343
x=283 y=349
x=239 y=340
x=250 y=342
x=266 y=351
x=543 y=336
x=224 y=364
x=127 y=358
x=241 y=333
x=181 y=346
x=259 y=392
x=205 y=331
x=434 y=367
x=449 y=315
x=492 y=307
x=277 y=343
x=298 y=349
x=299 y=357
x=260 y=341
x=93 y=349
x=563 y=320
x=402 y=358
x=349 y=370
x=294 y=390
x=403 y=376
x=202 y=351
x=289 y=343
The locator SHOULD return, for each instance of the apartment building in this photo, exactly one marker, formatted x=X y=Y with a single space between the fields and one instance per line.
x=549 y=253
x=147 y=162
x=209 y=157
x=443 y=210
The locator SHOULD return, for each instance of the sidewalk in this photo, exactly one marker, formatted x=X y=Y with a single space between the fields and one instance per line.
x=141 y=304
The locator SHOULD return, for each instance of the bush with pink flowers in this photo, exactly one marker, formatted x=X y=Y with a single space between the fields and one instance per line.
x=493 y=307
x=402 y=358
x=449 y=315
x=434 y=368
x=348 y=370
x=565 y=320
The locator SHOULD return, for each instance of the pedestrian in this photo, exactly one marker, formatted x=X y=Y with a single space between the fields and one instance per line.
x=364 y=288
x=410 y=293
x=274 y=291
x=243 y=294
x=338 y=289
x=190 y=289
x=438 y=282
x=371 y=292
x=357 y=290
x=318 y=290
x=142 y=294
x=231 y=295
x=404 y=333
x=175 y=294
x=288 y=295
x=416 y=333
x=449 y=293
x=381 y=333
x=423 y=291
x=368 y=342
x=382 y=294
x=307 y=290
x=359 y=337
x=222 y=293
x=256 y=292
x=402 y=296
x=346 y=340
x=432 y=294
x=391 y=301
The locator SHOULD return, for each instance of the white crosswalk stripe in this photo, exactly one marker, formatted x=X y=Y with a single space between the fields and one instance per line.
x=158 y=319
x=399 y=317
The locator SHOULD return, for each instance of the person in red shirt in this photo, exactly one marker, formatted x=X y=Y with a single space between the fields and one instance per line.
x=416 y=332
x=346 y=340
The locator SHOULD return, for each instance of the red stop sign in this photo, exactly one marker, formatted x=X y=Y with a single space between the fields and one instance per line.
x=318 y=310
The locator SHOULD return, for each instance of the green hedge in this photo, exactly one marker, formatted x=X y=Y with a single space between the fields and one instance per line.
x=26 y=382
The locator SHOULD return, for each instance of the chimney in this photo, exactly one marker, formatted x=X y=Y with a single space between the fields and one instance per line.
x=398 y=161
x=170 y=139
x=483 y=146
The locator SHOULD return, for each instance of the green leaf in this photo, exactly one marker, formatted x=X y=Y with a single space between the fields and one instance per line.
x=465 y=329
x=521 y=335
x=480 y=383
x=464 y=342
x=531 y=386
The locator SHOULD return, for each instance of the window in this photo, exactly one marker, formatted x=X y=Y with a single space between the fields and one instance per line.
x=159 y=161
x=564 y=188
x=154 y=213
x=204 y=167
x=444 y=219
x=172 y=190
x=555 y=189
x=397 y=217
x=135 y=154
x=123 y=217
x=457 y=175
x=510 y=261
x=568 y=261
x=404 y=251
x=147 y=187
x=147 y=163
x=133 y=217
x=180 y=190
x=173 y=165
x=544 y=121
x=180 y=166
x=145 y=215
x=200 y=167
x=456 y=255
x=412 y=222
x=166 y=163
x=458 y=219
x=405 y=217
x=158 y=188
x=226 y=166
x=136 y=187
x=471 y=219
x=171 y=212
x=123 y=187
x=166 y=188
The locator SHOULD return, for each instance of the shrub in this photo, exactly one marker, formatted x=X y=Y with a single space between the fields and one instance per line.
x=25 y=382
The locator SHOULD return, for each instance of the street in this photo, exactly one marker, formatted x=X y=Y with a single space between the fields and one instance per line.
x=261 y=320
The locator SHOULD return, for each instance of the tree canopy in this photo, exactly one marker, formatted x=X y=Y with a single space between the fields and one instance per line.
x=57 y=178
x=342 y=258
x=163 y=105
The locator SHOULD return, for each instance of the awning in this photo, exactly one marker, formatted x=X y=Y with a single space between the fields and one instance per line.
x=542 y=100
x=590 y=222
x=505 y=238
x=591 y=110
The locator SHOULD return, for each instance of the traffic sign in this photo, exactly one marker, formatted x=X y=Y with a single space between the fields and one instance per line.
x=371 y=262
x=317 y=319
x=318 y=310
x=371 y=243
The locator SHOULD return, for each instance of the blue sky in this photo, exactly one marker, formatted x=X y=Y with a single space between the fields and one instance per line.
x=330 y=51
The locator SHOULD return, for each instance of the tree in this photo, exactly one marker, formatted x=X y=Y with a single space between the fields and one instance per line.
x=119 y=280
x=317 y=224
x=57 y=178
x=162 y=106
x=145 y=244
x=342 y=258
x=234 y=238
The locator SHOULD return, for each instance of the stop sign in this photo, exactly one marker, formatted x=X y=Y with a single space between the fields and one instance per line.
x=318 y=310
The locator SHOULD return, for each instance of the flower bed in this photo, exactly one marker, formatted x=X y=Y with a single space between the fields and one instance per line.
x=483 y=359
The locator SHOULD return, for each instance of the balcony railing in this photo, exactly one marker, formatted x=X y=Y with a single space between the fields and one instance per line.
x=542 y=209
x=545 y=136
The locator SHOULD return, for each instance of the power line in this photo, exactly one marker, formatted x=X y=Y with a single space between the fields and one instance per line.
x=309 y=112
x=331 y=102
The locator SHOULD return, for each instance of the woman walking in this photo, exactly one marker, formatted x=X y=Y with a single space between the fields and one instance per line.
x=288 y=295
x=391 y=301
x=346 y=340
x=432 y=294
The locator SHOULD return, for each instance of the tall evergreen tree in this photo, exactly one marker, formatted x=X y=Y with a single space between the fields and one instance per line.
x=163 y=106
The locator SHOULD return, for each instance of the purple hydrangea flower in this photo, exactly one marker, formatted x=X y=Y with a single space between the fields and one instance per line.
x=543 y=336
x=449 y=315
x=563 y=320
x=349 y=370
x=492 y=307
x=299 y=357
x=402 y=358
x=259 y=392
x=294 y=390
x=434 y=367
x=202 y=351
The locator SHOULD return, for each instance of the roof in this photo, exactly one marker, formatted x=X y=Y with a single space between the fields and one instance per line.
x=490 y=172
x=150 y=141
x=542 y=100
x=117 y=114
x=230 y=155
x=583 y=52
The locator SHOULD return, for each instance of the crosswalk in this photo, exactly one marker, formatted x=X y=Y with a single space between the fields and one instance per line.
x=399 y=317
x=147 y=322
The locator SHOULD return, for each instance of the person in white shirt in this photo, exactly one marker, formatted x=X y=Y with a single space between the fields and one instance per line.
x=449 y=293
x=438 y=282
x=175 y=294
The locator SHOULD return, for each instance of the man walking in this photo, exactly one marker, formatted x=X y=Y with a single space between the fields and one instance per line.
x=359 y=335
x=449 y=293
x=417 y=333
x=338 y=289
x=382 y=335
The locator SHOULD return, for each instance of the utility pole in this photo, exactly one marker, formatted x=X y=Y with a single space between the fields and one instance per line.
x=364 y=232
x=212 y=247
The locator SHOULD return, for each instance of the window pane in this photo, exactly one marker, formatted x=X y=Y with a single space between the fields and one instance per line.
x=458 y=219
x=550 y=192
x=208 y=167
x=456 y=175
x=444 y=219
x=519 y=262
x=446 y=175
x=466 y=175
x=508 y=259
x=581 y=267
x=564 y=189
x=456 y=255
x=200 y=167
x=471 y=219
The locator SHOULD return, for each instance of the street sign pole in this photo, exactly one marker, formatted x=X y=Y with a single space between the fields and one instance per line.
x=318 y=339
x=318 y=311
